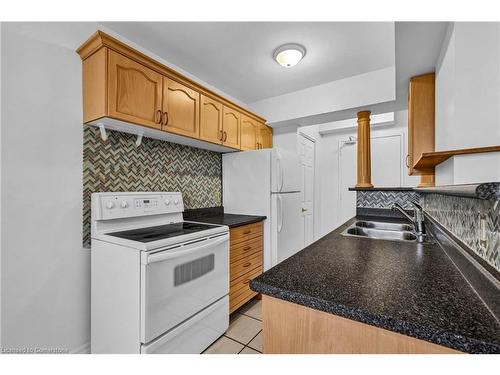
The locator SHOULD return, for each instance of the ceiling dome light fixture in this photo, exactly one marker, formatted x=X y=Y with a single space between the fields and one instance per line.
x=289 y=54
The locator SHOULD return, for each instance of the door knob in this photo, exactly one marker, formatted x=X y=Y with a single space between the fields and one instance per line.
x=304 y=209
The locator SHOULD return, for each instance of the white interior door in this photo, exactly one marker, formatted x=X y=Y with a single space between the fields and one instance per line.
x=387 y=156
x=307 y=151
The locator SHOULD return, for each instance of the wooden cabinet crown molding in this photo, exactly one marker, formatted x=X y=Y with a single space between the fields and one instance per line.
x=100 y=39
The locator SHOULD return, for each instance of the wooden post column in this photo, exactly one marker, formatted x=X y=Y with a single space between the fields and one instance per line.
x=364 y=151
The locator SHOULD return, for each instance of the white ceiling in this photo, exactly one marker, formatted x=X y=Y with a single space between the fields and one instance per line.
x=237 y=57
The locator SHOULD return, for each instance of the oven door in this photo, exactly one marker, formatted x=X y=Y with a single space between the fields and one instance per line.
x=178 y=282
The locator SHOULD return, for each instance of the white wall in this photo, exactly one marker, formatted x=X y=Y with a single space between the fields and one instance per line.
x=327 y=174
x=45 y=272
x=361 y=90
x=468 y=102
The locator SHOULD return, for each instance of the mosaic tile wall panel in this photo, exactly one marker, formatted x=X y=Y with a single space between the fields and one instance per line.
x=118 y=165
x=461 y=216
x=385 y=199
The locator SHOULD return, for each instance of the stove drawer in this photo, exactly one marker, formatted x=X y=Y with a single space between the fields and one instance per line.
x=179 y=282
x=194 y=335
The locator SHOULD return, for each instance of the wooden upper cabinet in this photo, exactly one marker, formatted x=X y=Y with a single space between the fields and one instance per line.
x=210 y=120
x=181 y=107
x=249 y=133
x=421 y=115
x=134 y=91
x=231 y=127
x=122 y=84
x=265 y=136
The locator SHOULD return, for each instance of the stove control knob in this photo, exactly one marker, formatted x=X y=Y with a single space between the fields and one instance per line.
x=110 y=205
x=124 y=204
x=167 y=202
x=176 y=201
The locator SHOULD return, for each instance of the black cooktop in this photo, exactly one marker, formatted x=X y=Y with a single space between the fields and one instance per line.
x=161 y=232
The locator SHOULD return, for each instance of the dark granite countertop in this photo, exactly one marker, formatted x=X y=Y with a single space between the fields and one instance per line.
x=405 y=287
x=216 y=215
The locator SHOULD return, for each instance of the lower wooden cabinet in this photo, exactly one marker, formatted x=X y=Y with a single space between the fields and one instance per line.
x=246 y=252
x=289 y=328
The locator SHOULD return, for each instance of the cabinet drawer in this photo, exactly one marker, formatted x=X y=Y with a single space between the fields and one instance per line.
x=239 y=300
x=245 y=264
x=244 y=232
x=245 y=248
x=238 y=285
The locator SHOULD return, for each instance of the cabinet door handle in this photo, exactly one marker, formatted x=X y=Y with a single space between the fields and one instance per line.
x=158 y=116
x=407 y=164
x=166 y=118
x=225 y=136
x=221 y=135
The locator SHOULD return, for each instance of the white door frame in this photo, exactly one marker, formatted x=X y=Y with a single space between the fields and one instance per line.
x=315 y=200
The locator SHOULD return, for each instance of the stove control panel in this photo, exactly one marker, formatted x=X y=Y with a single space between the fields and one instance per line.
x=122 y=205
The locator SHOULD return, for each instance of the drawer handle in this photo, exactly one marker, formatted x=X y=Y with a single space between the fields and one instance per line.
x=247 y=248
x=246 y=281
x=247 y=264
x=247 y=231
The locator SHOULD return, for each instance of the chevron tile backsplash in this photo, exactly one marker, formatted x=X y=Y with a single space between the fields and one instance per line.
x=461 y=216
x=118 y=165
x=386 y=198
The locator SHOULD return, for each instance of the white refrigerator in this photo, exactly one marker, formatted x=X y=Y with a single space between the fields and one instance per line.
x=267 y=182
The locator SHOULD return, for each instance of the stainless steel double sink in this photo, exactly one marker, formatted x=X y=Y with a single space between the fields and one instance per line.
x=381 y=230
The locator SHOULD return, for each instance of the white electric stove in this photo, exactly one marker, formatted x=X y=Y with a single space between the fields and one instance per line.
x=159 y=284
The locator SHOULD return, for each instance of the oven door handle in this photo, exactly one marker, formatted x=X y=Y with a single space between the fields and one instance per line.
x=171 y=254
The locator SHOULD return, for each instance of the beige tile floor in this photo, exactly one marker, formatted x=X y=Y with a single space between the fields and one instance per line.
x=244 y=335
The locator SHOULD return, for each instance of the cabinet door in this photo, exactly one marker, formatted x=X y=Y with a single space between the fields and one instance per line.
x=231 y=127
x=265 y=136
x=421 y=97
x=134 y=92
x=210 y=120
x=249 y=133
x=181 y=105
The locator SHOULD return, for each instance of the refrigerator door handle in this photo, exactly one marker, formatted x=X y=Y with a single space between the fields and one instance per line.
x=279 y=171
x=282 y=178
x=280 y=216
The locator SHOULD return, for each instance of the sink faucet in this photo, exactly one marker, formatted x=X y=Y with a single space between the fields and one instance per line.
x=417 y=219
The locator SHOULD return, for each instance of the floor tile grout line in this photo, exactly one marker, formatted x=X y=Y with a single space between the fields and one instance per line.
x=239 y=342
x=254 y=338
x=249 y=316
